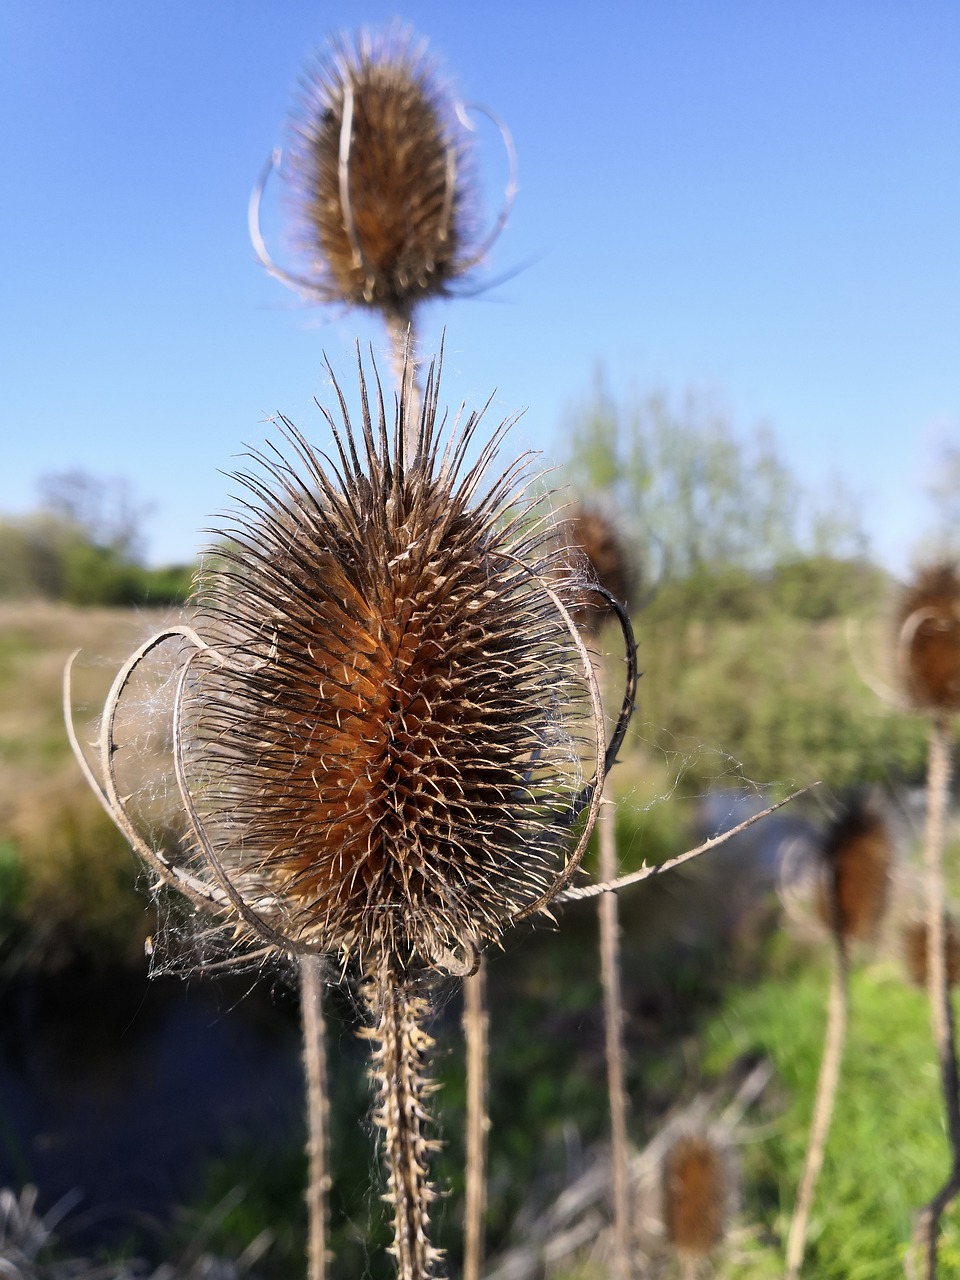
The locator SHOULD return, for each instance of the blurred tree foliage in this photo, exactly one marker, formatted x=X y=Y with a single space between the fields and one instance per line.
x=749 y=585
x=84 y=545
x=717 y=512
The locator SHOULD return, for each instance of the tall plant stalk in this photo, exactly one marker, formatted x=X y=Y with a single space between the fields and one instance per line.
x=475 y=1028
x=609 y=920
x=318 y=1113
x=823 y=1106
x=400 y=1047
x=941 y=1010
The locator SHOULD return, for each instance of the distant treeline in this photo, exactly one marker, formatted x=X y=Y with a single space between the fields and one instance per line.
x=83 y=545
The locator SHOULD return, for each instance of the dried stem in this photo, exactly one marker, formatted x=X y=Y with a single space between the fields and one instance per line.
x=645 y=873
x=941 y=1011
x=475 y=1023
x=401 y=1045
x=822 y=1108
x=609 y=926
x=403 y=352
x=318 y=1113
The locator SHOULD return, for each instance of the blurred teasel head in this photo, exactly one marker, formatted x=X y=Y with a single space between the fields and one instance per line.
x=857 y=867
x=698 y=1192
x=928 y=639
x=916 y=950
x=385 y=203
x=381 y=716
x=588 y=535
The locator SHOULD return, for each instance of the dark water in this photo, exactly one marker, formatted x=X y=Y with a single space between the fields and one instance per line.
x=123 y=1088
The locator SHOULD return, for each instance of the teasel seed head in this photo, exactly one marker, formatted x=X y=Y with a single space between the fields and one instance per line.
x=385 y=201
x=857 y=864
x=697 y=1190
x=587 y=534
x=384 y=758
x=915 y=951
x=856 y=868
x=928 y=638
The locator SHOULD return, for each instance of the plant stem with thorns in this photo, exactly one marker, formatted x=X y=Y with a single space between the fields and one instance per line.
x=397 y=1071
x=318 y=1113
x=941 y=1009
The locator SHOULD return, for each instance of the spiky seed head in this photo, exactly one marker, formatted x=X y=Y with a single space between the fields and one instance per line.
x=857 y=864
x=915 y=951
x=384 y=197
x=387 y=762
x=696 y=1189
x=590 y=535
x=928 y=638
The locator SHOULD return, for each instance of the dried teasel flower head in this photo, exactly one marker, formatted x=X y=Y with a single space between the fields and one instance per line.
x=379 y=729
x=385 y=202
x=915 y=951
x=857 y=865
x=587 y=534
x=698 y=1190
x=928 y=638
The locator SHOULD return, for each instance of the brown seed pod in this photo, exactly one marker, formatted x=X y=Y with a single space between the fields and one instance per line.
x=385 y=201
x=915 y=951
x=928 y=638
x=857 y=863
x=588 y=535
x=387 y=761
x=696 y=1189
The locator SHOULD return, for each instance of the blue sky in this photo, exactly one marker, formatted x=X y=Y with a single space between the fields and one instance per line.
x=758 y=199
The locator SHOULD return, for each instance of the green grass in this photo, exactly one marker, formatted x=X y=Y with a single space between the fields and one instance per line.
x=887 y=1153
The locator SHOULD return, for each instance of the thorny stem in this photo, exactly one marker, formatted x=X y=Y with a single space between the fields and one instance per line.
x=578 y=893
x=401 y=1044
x=823 y=1105
x=318 y=1113
x=608 y=911
x=475 y=1024
x=941 y=1011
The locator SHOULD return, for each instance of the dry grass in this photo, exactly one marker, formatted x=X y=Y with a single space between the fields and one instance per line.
x=77 y=875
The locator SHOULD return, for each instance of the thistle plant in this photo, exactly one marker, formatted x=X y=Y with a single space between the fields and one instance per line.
x=852 y=894
x=379 y=727
x=385 y=207
x=928 y=660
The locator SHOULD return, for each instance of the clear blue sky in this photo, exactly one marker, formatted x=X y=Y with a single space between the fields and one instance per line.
x=762 y=199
